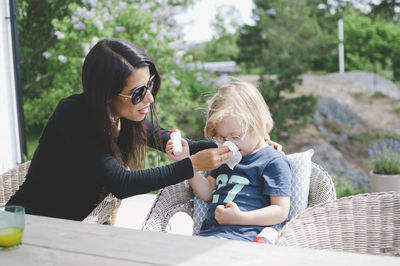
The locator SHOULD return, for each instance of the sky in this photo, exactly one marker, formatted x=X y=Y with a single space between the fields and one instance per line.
x=196 y=20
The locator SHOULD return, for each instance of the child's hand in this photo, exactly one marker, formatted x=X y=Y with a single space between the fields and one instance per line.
x=185 y=150
x=228 y=214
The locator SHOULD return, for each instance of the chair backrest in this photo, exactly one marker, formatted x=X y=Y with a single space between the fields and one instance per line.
x=11 y=180
x=363 y=223
x=322 y=188
x=179 y=197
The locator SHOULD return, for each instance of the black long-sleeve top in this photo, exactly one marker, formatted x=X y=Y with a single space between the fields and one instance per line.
x=71 y=167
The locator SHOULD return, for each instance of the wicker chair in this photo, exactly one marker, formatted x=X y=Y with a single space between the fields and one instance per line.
x=12 y=179
x=179 y=197
x=364 y=223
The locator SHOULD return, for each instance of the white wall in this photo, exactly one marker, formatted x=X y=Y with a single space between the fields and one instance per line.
x=10 y=151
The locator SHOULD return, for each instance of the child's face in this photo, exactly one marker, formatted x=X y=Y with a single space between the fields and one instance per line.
x=228 y=129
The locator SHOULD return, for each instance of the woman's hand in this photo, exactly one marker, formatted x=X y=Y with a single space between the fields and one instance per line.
x=210 y=159
x=276 y=145
x=169 y=149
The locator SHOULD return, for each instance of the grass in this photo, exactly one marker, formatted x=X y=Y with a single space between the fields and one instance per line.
x=367 y=137
x=378 y=94
x=357 y=95
x=396 y=110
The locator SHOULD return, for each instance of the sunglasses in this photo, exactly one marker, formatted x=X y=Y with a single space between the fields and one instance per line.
x=139 y=92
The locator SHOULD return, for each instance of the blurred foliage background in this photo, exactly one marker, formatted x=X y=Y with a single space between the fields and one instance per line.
x=288 y=39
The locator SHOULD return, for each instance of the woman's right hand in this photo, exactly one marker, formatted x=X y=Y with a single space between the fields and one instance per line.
x=210 y=159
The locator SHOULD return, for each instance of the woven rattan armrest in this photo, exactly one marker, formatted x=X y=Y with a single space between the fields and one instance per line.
x=11 y=180
x=103 y=211
x=363 y=223
x=169 y=200
x=322 y=188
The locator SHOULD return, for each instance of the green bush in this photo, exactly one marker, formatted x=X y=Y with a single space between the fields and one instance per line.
x=344 y=187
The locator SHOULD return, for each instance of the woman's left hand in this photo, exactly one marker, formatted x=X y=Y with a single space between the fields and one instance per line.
x=169 y=149
x=276 y=145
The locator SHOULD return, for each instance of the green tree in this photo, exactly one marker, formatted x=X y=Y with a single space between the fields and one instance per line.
x=36 y=34
x=148 y=24
x=371 y=44
x=68 y=33
x=281 y=43
x=386 y=9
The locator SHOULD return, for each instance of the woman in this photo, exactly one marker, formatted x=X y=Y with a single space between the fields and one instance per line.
x=91 y=139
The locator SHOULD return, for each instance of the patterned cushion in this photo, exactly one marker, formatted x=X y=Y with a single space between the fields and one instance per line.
x=199 y=213
x=301 y=172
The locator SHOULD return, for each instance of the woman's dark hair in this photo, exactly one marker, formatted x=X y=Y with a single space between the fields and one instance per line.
x=105 y=71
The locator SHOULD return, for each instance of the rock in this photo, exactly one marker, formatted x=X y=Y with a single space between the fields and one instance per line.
x=369 y=83
x=334 y=162
x=332 y=109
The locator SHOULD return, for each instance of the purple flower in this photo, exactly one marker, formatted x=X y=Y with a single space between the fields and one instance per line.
x=75 y=19
x=106 y=15
x=59 y=35
x=147 y=6
x=396 y=144
x=92 y=3
x=86 y=48
x=174 y=81
x=179 y=54
x=120 y=29
x=160 y=37
x=79 y=26
x=46 y=54
x=122 y=5
x=98 y=24
x=94 y=40
x=62 y=58
x=153 y=28
x=173 y=45
x=370 y=151
x=383 y=145
x=82 y=12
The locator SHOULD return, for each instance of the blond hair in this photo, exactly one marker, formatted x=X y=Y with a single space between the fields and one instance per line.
x=242 y=101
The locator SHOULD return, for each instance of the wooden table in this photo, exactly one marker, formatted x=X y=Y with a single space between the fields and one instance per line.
x=49 y=241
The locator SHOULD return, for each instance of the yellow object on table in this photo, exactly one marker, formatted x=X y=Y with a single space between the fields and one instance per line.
x=10 y=237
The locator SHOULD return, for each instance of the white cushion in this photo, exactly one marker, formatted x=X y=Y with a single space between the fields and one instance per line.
x=301 y=172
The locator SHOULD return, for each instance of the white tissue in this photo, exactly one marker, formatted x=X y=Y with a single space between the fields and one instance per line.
x=236 y=156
